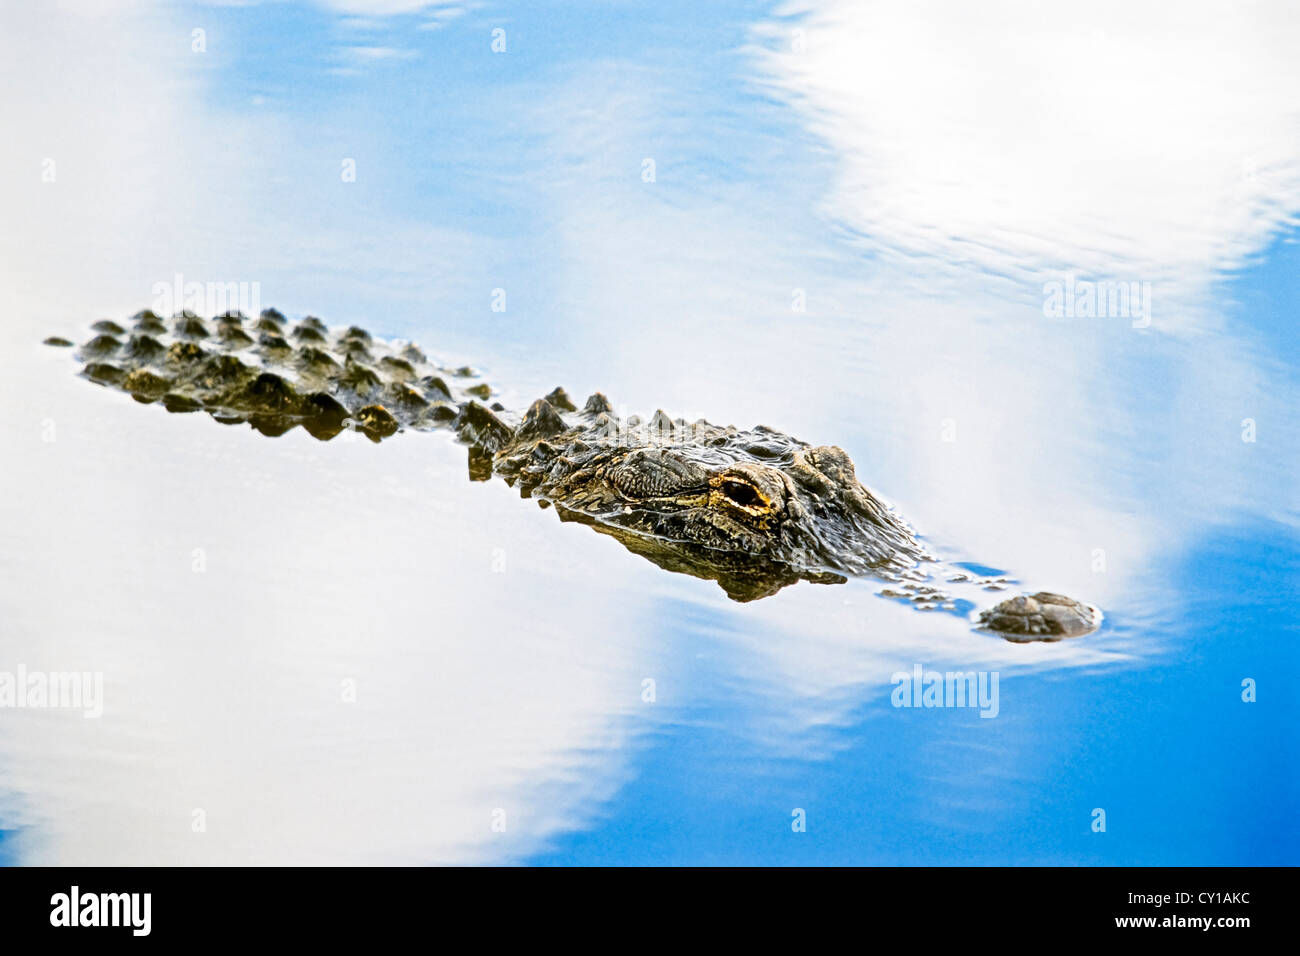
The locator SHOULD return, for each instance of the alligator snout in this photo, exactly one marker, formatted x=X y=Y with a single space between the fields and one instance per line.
x=1041 y=617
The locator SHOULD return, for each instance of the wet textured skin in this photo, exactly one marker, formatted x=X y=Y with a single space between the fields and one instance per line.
x=754 y=510
x=1041 y=617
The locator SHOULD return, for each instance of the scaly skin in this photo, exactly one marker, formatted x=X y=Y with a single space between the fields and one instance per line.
x=753 y=510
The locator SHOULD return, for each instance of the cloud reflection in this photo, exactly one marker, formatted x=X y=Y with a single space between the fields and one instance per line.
x=1113 y=139
x=966 y=156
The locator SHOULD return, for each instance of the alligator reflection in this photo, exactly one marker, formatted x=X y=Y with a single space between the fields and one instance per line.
x=743 y=577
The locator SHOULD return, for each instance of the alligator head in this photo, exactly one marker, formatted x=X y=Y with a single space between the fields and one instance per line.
x=754 y=510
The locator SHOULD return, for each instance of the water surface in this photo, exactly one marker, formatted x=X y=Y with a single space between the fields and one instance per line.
x=347 y=652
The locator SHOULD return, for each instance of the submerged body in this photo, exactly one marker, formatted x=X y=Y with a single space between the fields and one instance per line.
x=753 y=509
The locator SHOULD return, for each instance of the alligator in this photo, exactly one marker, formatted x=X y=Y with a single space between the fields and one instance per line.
x=754 y=510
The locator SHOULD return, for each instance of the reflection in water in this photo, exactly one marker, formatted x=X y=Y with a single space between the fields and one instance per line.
x=1109 y=141
x=743 y=577
x=500 y=662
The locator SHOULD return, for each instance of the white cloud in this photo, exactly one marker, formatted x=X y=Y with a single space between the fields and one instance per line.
x=373 y=54
x=1126 y=138
x=151 y=179
x=382 y=8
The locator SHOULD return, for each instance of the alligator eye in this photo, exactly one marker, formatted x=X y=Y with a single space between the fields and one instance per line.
x=741 y=493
